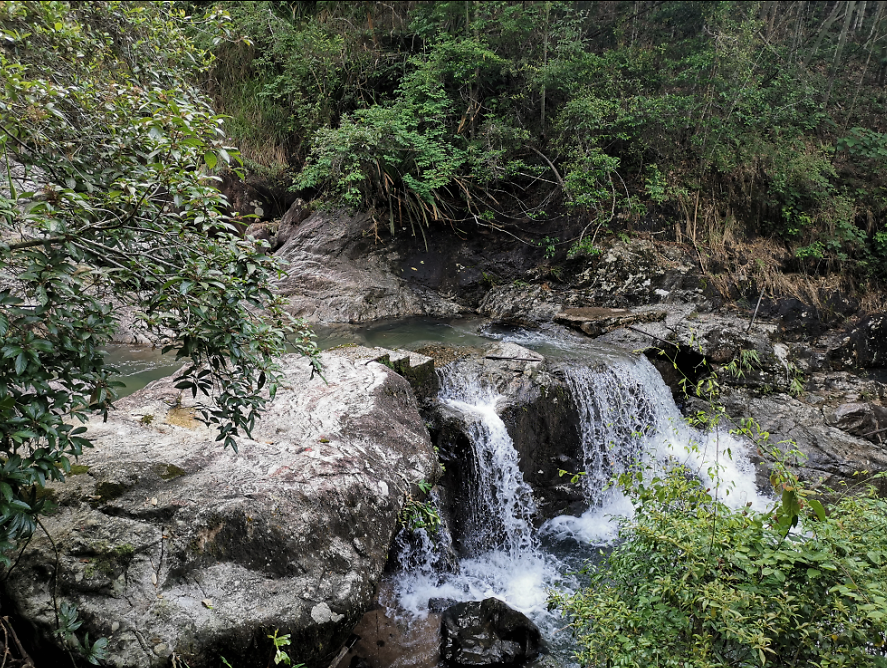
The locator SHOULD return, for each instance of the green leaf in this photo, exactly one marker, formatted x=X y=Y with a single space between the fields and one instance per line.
x=21 y=363
x=210 y=159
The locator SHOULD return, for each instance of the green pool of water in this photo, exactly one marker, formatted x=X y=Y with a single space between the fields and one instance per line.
x=139 y=365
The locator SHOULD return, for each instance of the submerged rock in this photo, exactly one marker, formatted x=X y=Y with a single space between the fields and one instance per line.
x=171 y=545
x=488 y=633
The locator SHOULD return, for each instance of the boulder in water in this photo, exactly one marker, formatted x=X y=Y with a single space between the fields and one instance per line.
x=488 y=633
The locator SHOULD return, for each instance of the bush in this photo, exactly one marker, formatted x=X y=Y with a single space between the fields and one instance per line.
x=694 y=583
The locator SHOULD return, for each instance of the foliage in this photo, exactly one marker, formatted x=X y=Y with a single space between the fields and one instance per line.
x=108 y=201
x=280 y=642
x=584 y=246
x=68 y=624
x=491 y=113
x=695 y=583
x=420 y=514
x=395 y=152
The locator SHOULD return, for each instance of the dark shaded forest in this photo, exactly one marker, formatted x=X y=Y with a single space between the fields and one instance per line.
x=727 y=125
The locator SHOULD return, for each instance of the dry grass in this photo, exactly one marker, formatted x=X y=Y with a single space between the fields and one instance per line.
x=736 y=265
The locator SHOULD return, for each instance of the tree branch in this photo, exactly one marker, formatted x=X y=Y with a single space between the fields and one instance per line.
x=550 y=164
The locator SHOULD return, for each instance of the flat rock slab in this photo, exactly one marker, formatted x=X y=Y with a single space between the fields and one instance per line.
x=169 y=544
x=595 y=321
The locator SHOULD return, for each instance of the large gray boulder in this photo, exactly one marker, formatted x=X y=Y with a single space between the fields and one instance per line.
x=169 y=544
x=834 y=457
x=337 y=273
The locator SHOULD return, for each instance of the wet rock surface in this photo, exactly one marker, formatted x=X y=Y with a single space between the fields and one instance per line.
x=168 y=544
x=488 y=633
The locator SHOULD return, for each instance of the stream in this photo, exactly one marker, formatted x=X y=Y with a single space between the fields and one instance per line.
x=626 y=414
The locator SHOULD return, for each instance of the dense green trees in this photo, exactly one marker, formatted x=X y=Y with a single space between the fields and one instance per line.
x=107 y=200
x=731 y=119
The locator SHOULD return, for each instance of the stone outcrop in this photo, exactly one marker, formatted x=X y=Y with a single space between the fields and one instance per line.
x=169 y=545
x=834 y=456
x=277 y=232
x=488 y=633
x=864 y=419
x=336 y=273
x=520 y=304
x=634 y=274
x=864 y=346
x=595 y=321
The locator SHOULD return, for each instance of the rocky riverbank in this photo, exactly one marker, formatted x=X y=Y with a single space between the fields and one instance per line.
x=170 y=547
x=814 y=374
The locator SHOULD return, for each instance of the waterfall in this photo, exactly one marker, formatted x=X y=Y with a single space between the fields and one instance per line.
x=627 y=416
x=616 y=415
x=502 y=556
x=501 y=504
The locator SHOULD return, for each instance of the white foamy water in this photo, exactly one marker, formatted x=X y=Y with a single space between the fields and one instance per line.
x=501 y=505
x=599 y=525
x=504 y=557
x=627 y=416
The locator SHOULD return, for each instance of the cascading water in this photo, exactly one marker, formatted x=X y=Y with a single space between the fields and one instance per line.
x=501 y=504
x=615 y=415
x=627 y=416
x=503 y=555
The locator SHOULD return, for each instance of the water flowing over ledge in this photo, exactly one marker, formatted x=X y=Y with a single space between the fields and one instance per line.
x=627 y=420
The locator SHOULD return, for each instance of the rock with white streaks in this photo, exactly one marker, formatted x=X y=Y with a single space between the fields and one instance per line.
x=169 y=544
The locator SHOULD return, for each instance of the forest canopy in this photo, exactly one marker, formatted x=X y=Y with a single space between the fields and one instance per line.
x=728 y=119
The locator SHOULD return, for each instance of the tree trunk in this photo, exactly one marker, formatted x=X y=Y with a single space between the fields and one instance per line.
x=544 y=66
x=842 y=39
x=823 y=31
